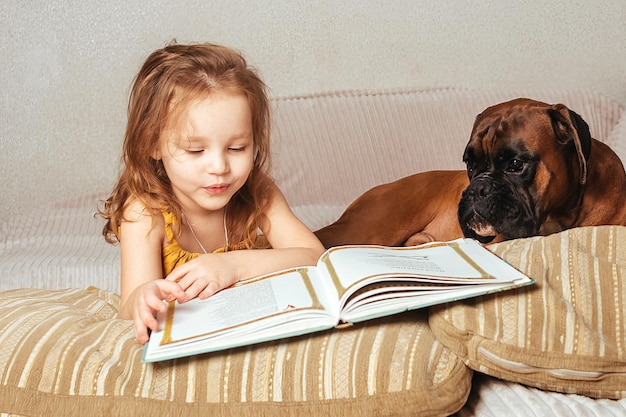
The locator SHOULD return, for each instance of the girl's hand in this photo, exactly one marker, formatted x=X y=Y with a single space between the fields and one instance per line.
x=149 y=299
x=205 y=275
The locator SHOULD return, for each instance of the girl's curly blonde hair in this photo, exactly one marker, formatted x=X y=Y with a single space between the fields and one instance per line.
x=168 y=81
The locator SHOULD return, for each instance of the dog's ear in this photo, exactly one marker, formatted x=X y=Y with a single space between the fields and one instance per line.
x=570 y=127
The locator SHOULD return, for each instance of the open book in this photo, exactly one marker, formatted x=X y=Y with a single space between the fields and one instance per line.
x=348 y=285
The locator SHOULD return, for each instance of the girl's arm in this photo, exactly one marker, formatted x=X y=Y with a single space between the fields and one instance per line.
x=142 y=287
x=293 y=244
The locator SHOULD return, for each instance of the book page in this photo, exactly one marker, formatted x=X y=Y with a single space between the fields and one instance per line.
x=462 y=261
x=391 y=303
x=246 y=302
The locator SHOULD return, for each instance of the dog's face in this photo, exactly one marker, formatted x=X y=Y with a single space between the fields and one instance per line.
x=526 y=162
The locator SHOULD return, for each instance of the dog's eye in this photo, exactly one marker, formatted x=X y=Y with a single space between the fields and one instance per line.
x=515 y=165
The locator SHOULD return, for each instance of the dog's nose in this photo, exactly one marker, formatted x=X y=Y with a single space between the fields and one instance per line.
x=481 y=189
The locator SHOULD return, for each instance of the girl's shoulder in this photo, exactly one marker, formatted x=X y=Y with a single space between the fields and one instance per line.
x=144 y=216
x=275 y=196
x=136 y=209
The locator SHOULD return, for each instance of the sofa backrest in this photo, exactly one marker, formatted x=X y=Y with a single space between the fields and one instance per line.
x=330 y=148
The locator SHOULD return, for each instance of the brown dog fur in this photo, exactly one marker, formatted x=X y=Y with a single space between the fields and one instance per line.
x=412 y=210
x=424 y=207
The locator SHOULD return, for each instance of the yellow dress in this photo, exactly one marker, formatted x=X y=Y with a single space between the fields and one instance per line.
x=173 y=255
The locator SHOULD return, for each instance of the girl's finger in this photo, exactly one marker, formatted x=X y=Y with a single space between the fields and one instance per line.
x=179 y=272
x=148 y=319
x=211 y=288
x=194 y=289
x=168 y=291
x=141 y=333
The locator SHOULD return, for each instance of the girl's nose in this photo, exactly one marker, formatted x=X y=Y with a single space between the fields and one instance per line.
x=216 y=163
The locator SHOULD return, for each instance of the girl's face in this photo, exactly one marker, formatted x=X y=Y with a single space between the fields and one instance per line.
x=209 y=154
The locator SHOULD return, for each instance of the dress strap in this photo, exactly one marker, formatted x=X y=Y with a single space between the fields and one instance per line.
x=169 y=219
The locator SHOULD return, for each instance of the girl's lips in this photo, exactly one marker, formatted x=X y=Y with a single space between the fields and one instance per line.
x=217 y=188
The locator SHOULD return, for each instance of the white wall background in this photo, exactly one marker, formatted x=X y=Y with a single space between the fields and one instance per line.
x=67 y=65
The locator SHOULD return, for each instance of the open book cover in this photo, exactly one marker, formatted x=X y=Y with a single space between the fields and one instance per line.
x=349 y=284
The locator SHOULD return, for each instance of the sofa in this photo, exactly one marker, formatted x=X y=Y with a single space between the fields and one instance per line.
x=557 y=348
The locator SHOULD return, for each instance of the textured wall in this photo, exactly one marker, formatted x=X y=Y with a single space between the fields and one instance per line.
x=67 y=66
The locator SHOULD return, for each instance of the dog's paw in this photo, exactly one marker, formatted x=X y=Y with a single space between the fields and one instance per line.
x=419 y=238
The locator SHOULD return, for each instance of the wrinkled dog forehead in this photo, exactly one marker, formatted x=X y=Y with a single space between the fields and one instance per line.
x=520 y=123
x=511 y=106
x=510 y=114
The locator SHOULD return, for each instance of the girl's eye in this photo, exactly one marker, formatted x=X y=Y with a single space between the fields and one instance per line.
x=237 y=149
x=195 y=151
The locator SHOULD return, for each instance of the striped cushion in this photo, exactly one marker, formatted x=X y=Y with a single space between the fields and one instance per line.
x=567 y=333
x=64 y=353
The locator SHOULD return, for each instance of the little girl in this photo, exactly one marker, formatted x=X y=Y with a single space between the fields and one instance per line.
x=194 y=187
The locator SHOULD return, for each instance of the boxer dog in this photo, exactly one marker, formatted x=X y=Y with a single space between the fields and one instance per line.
x=532 y=169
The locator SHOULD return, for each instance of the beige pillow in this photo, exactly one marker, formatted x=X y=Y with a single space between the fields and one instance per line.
x=63 y=353
x=566 y=333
